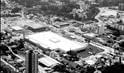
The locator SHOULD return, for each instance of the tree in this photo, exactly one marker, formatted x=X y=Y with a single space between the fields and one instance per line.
x=15 y=10
x=116 y=33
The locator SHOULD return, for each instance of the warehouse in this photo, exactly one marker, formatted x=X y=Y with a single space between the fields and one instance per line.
x=54 y=41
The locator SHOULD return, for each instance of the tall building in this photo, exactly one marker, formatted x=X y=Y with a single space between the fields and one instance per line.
x=101 y=29
x=31 y=62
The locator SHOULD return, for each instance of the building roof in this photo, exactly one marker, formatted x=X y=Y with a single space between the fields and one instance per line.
x=17 y=28
x=54 y=41
x=30 y=23
x=122 y=20
x=90 y=35
x=109 y=13
x=48 y=61
x=35 y=26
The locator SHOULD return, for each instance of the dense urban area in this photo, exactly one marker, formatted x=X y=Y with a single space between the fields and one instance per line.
x=62 y=36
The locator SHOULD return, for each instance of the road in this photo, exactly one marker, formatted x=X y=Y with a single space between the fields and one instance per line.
x=106 y=48
x=3 y=61
x=98 y=15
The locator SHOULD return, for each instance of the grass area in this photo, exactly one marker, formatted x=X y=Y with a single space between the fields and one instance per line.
x=90 y=48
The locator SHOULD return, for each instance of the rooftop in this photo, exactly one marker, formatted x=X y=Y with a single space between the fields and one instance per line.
x=54 y=41
x=48 y=61
x=109 y=13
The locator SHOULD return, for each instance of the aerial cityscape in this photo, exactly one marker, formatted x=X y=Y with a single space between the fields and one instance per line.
x=62 y=36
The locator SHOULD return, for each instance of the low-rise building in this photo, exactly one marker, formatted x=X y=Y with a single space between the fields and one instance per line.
x=53 y=41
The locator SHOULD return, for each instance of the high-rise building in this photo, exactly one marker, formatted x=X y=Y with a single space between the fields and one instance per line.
x=101 y=29
x=31 y=62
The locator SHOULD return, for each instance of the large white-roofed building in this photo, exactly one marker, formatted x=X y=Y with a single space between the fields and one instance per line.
x=109 y=13
x=54 y=41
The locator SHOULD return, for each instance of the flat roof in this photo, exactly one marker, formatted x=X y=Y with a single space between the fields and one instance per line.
x=109 y=13
x=53 y=41
x=30 y=23
x=17 y=28
x=35 y=26
x=91 y=35
x=48 y=61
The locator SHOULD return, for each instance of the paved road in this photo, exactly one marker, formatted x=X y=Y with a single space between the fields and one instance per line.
x=3 y=61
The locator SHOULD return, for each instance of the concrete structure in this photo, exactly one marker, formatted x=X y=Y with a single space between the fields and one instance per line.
x=108 y=13
x=101 y=29
x=90 y=35
x=48 y=61
x=53 y=41
x=31 y=62
x=122 y=20
x=17 y=28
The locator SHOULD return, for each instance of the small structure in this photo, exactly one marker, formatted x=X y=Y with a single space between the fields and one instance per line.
x=61 y=24
x=109 y=13
x=48 y=61
x=17 y=28
x=90 y=35
x=36 y=27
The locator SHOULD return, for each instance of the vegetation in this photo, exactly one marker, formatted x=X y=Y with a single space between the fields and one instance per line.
x=59 y=8
x=110 y=2
x=117 y=68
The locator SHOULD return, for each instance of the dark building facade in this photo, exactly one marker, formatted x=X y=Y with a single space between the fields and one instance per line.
x=121 y=6
x=31 y=62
